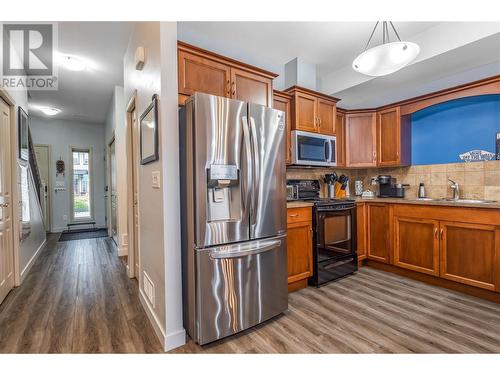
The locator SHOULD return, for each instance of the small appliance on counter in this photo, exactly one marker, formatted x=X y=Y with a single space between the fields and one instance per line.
x=358 y=187
x=421 y=191
x=334 y=233
x=388 y=188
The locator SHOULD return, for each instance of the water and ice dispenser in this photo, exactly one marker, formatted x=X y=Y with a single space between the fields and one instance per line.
x=223 y=193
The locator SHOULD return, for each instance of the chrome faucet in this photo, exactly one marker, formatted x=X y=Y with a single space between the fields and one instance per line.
x=456 y=189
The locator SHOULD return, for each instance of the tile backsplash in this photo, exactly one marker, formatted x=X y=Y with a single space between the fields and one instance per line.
x=477 y=180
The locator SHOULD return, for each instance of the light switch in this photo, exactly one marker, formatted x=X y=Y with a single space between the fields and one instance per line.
x=156 y=179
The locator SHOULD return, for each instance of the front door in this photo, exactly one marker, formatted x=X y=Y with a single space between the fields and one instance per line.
x=6 y=243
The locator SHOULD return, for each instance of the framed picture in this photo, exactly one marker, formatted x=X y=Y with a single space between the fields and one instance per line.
x=23 y=125
x=149 y=132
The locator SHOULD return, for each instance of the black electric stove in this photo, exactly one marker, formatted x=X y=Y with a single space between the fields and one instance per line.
x=334 y=234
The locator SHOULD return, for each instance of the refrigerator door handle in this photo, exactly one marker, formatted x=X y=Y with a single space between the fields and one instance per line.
x=256 y=177
x=239 y=251
x=249 y=165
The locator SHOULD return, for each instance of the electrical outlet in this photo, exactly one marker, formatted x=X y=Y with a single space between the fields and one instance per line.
x=65 y=217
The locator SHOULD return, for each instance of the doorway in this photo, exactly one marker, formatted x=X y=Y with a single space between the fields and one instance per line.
x=133 y=191
x=42 y=153
x=82 y=180
x=113 y=210
x=6 y=240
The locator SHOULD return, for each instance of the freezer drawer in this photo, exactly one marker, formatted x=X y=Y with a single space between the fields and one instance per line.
x=239 y=286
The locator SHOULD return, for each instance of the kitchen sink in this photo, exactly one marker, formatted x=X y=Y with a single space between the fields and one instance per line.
x=467 y=200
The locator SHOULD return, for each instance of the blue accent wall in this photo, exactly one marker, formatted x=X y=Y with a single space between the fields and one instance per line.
x=443 y=131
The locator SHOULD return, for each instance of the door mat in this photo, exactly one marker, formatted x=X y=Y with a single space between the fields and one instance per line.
x=83 y=234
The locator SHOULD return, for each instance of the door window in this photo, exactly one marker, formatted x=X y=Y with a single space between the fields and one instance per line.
x=81 y=197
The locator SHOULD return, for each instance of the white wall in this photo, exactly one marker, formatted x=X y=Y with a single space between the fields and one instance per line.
x=26 y=252
x=60 y=135
x=115 y=127
x=159 y=208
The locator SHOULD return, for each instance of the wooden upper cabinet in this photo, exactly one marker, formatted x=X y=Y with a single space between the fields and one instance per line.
x=340 y=135
x=470 y=254
x=281 y=101
x=204 y=71
x=312 y=111
x=378 y=229
x=305 y=113
x=360 y=139
x=251 y=87
x=416 y=245
x=326 y=116
x=393 y=138
x=197 y=73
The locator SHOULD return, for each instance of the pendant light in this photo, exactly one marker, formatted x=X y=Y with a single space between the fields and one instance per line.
x=387 y=57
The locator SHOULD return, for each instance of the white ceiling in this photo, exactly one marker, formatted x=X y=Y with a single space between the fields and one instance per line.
x=85 y=96
x=451 y=53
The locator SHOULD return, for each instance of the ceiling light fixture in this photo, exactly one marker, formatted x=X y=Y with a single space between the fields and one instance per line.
x=50 y=111
x=73 y=63
x=387 y=57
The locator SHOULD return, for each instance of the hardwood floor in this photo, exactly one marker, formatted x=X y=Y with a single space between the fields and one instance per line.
x=77 y=298
x=372 y=312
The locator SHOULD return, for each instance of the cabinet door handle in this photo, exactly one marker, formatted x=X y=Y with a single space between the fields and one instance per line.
x=228 y=88
x=374 y=156
x=234 y=88
x=294 y=215
x=436 y=233
x=442 y=233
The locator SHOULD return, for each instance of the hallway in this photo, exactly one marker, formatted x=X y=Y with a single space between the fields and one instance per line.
x=77 y=298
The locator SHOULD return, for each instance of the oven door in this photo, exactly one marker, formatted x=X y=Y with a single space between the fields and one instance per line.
x=313 y=149
x=335 y=234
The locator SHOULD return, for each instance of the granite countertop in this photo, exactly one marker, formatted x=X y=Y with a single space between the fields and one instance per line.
x=297 y=204
x=493 y=205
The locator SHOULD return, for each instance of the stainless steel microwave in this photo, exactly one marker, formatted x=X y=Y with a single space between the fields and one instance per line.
x=313 y=149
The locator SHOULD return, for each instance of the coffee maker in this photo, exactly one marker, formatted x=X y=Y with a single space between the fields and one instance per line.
x=388 y=188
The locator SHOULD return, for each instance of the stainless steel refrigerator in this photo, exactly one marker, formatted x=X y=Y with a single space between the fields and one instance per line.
x=233 y=193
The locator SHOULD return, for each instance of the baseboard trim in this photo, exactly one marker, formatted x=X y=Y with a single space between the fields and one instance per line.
x=30 y=263
x=175 y=339
x=155 y=322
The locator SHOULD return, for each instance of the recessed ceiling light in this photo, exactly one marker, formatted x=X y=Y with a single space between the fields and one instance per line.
x=50 y=111
x=73 y=63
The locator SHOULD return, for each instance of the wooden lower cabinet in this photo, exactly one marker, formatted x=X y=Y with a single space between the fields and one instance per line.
x=378 y=229
x=470 y=254
x=361 y=230
x=416 y=244
x=299 y=247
